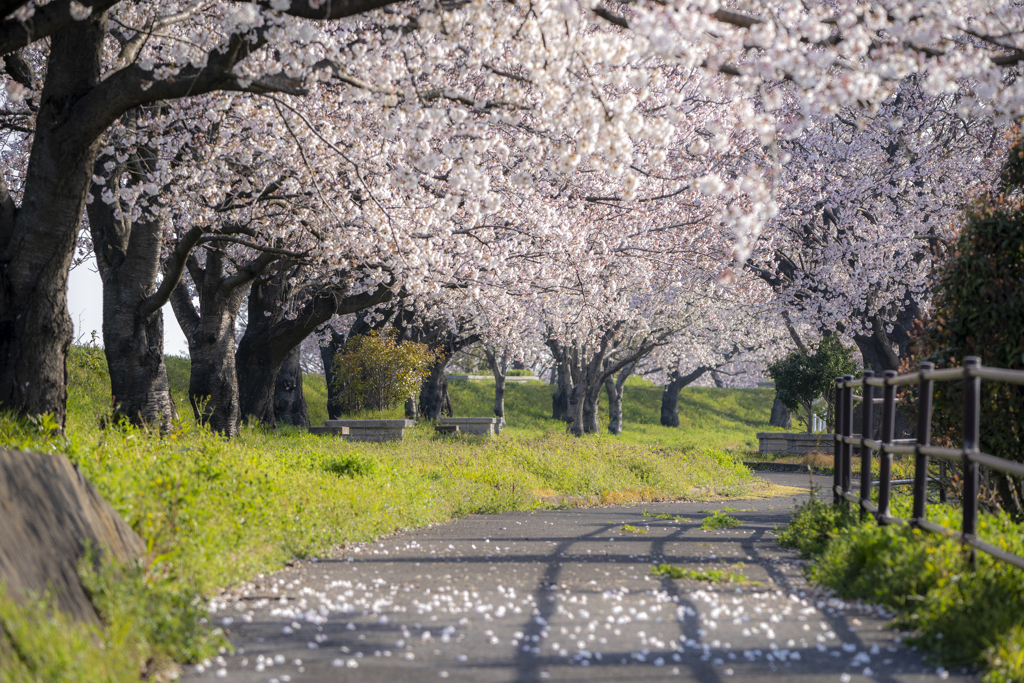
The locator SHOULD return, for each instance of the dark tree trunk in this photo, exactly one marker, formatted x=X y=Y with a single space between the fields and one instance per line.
x=412 y=409
x=780 y=416
x=877 y=354
x=37 y=239
x=434 y=398
x=271 y=335
x=498 y=364
x=213 y=382
x=614 y=394
x=560 y=399
x=499 y=397
x=1010 y=493
x=574 y=411
x=128 y=258
x=261 y=353
x=591 y=410
x=670 y=396
x=584 y=371
x=614 y=388
x=719 y=382
x=327 y=352
x=289 y=401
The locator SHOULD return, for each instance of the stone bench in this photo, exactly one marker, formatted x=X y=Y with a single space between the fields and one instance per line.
x=373 y=430
x=799 y=443
x=475 y=425
x=446 y=429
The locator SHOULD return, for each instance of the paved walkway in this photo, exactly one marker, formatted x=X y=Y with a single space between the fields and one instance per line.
x=560 y=595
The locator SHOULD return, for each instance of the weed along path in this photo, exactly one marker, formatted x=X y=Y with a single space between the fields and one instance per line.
x=563 y=595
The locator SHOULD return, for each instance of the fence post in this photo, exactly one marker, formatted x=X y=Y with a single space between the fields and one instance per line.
x=884 y=454
x=867 y=405
x=837 y=455
x=924 y=435
x=972 y=408
x=847 y=432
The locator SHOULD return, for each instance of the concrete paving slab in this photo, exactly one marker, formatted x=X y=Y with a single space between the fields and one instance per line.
x=561 y=595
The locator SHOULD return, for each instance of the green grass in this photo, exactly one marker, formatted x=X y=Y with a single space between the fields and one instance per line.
x=711 y=575
x=961 y=614
x=630 y=529
x=728 y=419
x=719 y=519
x=665 y=515
x=214 y=512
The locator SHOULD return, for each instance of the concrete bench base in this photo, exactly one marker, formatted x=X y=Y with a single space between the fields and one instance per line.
x=373 y=430
x=794 y=443
x=474 y=425
x=447 y=429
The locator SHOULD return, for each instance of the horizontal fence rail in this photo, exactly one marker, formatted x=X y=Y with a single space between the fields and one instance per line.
x=887 y=446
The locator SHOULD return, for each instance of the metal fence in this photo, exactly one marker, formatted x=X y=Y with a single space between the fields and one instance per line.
x=971 y=375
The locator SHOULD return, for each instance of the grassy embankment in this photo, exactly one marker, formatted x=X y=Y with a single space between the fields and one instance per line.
x=214 y=511
x=962 y=615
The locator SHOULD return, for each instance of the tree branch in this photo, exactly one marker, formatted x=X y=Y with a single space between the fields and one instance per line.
x=46 y=21
x=174 y=268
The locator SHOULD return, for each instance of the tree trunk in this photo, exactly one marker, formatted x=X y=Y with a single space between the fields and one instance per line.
x=499 y=397
x=670 y=397
x=719 y=382
x=128 y=258
x=575 y=411
x=614 y=406
x=614 y=389
x=213 y=382
x=412 y=409
x=1010 y=492
x=877 y=354
x=37 y=239
x=327 y=352
x=261 y=353
x=434 y=398
x=289 y=401
x=810 y=416
x=271 y=336
x=498 y=364
x=591 y=410
x=780 y=416
x=134 y=347
x=560 y=399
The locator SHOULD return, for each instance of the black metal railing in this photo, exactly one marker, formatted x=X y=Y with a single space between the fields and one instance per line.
x=968 y=454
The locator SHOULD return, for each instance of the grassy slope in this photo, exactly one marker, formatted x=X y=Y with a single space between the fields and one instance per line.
x=708 y=417
x=269 y=473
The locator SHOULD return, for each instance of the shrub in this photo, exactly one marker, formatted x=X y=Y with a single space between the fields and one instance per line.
x=979 y=311
x=375 y=371
x=802 y=378
x=1005 y=659
x=961 y=613
x=813 y=526
x=519 y=373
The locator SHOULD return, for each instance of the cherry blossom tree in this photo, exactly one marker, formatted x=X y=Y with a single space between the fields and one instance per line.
x=867 y=208
x=567 y=84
